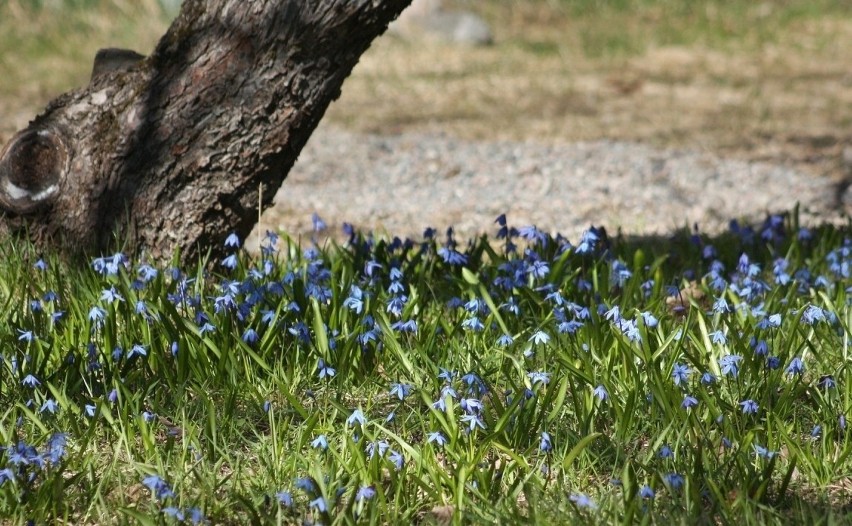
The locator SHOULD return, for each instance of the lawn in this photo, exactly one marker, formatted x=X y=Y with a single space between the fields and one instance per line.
x=514 y=378
x=519 y=377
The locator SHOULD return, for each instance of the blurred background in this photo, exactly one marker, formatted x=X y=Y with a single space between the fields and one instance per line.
x=767 y=80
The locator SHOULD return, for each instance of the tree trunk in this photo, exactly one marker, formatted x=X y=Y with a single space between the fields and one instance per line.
x=173 y=152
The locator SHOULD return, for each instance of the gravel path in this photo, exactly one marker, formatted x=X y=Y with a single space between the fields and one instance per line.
x=402 y=184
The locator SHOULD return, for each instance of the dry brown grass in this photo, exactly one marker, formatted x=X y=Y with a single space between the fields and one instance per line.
x=785 y=101
x=555 y=75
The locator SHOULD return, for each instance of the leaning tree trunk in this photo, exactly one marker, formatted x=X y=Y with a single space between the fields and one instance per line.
x=173 y=152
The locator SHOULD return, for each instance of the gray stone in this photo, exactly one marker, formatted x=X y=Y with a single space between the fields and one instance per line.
x=429 y=19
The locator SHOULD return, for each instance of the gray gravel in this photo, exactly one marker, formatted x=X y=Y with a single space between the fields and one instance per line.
x=402 y=184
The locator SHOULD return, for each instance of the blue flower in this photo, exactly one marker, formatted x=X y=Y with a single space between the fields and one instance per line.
x=320 y=442
x=137 y=350
x=689 y=402
x=230 y=262
x=90 y=410
x=773 y=362
x=250 y=336
x=796 y=367
x=681 y=373
x=473 y=324
x=158 y=487
x=827 y=382
x=720 y=306
x=96 y=314
x=284 y=498
x=718 y=337
x=319 y=504
x=318 y=223
x=762 y=452
x=232 y=241
x=365 y=493
x=305 y=484
x=397 y=459
x=50 y=406
x=30 y=381
x=539 y=377
x=400 y=390
x=650 y=320
x=451 y=257
x=600 y=392
x=438 y=438
x=582 y=500
x=666 y=451
x=674 y=480
x=355 y=300
x=110 y=295
x=646 y=492
x=473 y=421
x=357 y=417
x=749 y=407
x=545 y=443
x=26 y=336
x=540 y=337
x=6 y=475
x=325 y=370
x=708 y=378
x=471 y=405
x=505 y=340
x=730 y=364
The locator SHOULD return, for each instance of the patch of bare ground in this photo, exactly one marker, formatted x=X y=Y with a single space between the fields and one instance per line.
x=787 y=102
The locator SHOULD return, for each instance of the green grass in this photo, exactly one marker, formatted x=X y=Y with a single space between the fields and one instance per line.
x=258 y=430
x=617 y=28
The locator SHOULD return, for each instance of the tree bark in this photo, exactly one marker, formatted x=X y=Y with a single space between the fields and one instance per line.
x=172 y=152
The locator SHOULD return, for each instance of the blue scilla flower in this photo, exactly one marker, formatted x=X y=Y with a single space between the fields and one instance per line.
x=763 y=452
x=796 y=367
x=473 y=324
x=646 y=492
x=505 y=340
x=437 y=438
x=600 y=392
x=473 y=421
x=319 y=504
x=540 y=337
x=365 y=493
x=730 y=364
x=666 y=451
x=30 y=381
x=110 y=295
x=320 y=442
x=232 y=241
x=545 y=444
x=749 y=407
x=357 y=417
x=674 y=480
x=681 y=373
x=26 y=336
x=452 y=257
x=689 y=402
x=400 y=390
x=324 y=370
x=355 y=300
x=50 y=405
x=539 y=377
x=158 y=487
x=718 y=337
x=582 y=500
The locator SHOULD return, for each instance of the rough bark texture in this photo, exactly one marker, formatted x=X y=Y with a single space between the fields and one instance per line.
x=172 y=153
